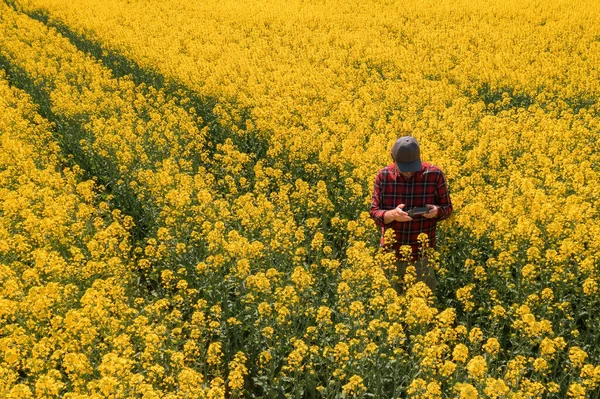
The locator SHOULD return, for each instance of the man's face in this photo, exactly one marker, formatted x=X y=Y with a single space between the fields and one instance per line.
x=406 y=175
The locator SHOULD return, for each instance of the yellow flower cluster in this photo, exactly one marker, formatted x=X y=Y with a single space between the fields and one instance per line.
x=65 y=263
x=209 y=237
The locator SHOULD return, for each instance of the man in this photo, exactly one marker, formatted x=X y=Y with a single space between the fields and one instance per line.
x=409 y=183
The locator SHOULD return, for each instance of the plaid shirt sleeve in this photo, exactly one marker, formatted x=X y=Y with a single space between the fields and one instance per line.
x=376 y=212
x=443 y=198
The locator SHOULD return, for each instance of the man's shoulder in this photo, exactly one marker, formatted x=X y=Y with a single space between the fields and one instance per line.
x=386 y=170
x=431 y=169
x=432 y=173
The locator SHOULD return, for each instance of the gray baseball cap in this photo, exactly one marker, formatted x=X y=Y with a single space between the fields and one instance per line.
x=407 y=154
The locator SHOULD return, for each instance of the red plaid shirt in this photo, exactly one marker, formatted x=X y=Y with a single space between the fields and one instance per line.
x=428 y=186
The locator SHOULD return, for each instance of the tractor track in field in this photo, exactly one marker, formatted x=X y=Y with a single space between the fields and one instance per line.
x=120 y=66
x=73 y=154
x=250 y=142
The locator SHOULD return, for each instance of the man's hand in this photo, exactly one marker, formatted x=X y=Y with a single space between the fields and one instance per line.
x=397 y=214
x=433 y=211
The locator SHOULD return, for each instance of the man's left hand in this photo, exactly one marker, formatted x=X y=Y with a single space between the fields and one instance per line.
x=433 y=211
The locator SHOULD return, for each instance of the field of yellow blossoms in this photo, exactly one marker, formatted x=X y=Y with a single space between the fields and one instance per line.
x=185 y=187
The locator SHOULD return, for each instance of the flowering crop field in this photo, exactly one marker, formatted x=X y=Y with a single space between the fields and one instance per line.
x=185 y=190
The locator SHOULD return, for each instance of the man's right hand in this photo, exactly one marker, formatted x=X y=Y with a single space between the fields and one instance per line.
x=397 y=214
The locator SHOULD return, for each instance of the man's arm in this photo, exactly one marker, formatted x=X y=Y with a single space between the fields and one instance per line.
x=382 y=217
x=442 y=196
x=376 y=212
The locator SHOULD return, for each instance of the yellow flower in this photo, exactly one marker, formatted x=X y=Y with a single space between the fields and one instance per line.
x=460 y=353
x=447 y=317
x=498 y=312
x=477 y=367
x=342 y=352
x=492 y=346
x=476 y=335
x=237 y=372
x=107 y=385
x=324 y=315
x=540 y=365
x=214 y=354
x=448 y=368
x=480 y=274
x=396 y=334
x=217 y=389
x=495 y=388
x=20 y=391
x=417 y=386
x=302 y=278
x=434 y=390
x=296 y=357
x=49 y=385
x=419 y=312
x=590 y=287
x=466 y=391
x=268 y=332
x=356 y=309
x=552 y=387
x=576 y=391
x=549 y=346
x=547 y=294
x=354 y=387
x=465 y=296
x=265 y=357
x=190 y=381
x=577 y=356
x=461 y=330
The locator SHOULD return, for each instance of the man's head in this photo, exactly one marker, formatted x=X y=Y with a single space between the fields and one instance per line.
x=407 y=154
